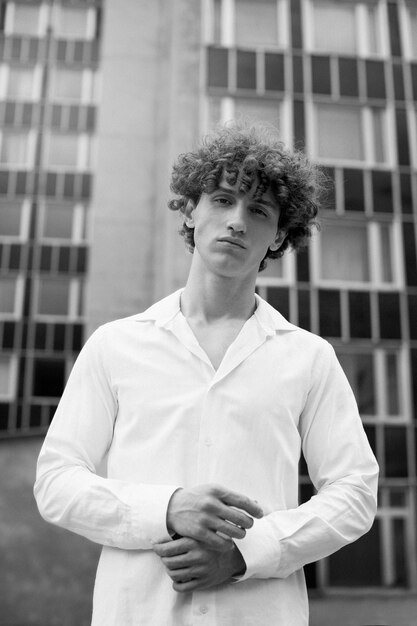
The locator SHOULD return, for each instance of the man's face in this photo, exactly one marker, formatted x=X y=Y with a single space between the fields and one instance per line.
x=233 y=230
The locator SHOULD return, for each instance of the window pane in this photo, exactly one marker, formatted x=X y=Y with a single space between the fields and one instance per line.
x=274 y=269
x=7 y=295
x=259 y=110
x=72 y=22
x=14 y=149
x=26 y=19
x=374 y=34
x=412 y=11
x=379 y=135
x=386 y=263
x=334 y=27
x=256 y=23
x=392 y=388
x=5 y=375
x=48 y=377
x=67 y=85
x=63 y=150
x=58 y=222
x=346 y=567
x=344 y=253
x=53 y=297
x=20 y=84
x=339 y=132
x=10 y=220
x=359 y=369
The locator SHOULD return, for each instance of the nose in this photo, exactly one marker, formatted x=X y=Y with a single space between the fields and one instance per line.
x=236 y=218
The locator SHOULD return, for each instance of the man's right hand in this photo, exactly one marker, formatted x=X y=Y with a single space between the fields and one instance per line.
x=203 y=511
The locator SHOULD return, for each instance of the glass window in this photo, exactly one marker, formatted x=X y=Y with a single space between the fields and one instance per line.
x=8 y=295
x=258 y=109
x=256 y=23
x=53 y=296
x=344 y=252
x=72 y=22
x=20 y=83
x=67 y=85
x=334 y=27
x=359 y=369
x=411 y=22
x=7 y=376
x=14 y=148
x=26 y=19
x=339 y=132
x=48 y=377
x=63 y=150
x=58 y=222
x=10 y=217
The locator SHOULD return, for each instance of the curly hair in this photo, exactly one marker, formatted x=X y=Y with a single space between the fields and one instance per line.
x=252 y=152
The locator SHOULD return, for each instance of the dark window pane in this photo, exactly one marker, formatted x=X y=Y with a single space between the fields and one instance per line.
x=414 y=79
x=398 y=81
x=274 y=72
x=394 y=29
x=320 y=67
x=246 y=70
x=370 y=433
x=217 y=67
x=46 y=258
x=91 y=119
x=304 y=309
x=4 y=182
x=73 y=118
x=21 y=184
x=64 y=260
x=40 y=336
x=9 y=329
x=16 y=48
x=33 y=48
x=79 y=51
x=329 y=307
x=4 y=416
x=382 y=192
x=410 y=258
x=69 y=184
x=359 y=315
x=15 y=256
x=359 y=369
x=412 y=315
x=298 y=74
x=28 y=113
x=9 y=113
x=299 y=124
x=48 y=377
x=59 y=337
x=402 y=137
x=348 y=77
x=77 y=337
x=375 y=79
x=56 y=116
x=35 y=417
x=406 y=193
x=346 y=567
x=353 y=190
x=389 y=316
x=61 y=50
x=330 y=195
x=413 y=359
x=81 y=266
x=86 y=186
x=395 y=452
x=400 y=548
x=51 y=180
x=303 y=267
x=278 y=297
x=296 y=24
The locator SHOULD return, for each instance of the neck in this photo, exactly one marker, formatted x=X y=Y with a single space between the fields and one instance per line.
x=210 y=297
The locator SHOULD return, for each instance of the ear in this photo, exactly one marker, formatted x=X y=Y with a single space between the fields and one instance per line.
x=281 y=234
x=189 y=214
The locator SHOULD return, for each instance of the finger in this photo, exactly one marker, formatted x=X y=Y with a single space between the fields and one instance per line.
x=232 y=498
x=173 y=548
x=184 y=575
x=213 y=541
x=191 y=585
x=230 y=530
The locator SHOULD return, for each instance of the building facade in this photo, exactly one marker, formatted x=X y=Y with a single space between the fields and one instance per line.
x=96 y=102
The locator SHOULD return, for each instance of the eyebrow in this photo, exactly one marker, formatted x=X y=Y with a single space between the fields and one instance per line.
x=231 y=191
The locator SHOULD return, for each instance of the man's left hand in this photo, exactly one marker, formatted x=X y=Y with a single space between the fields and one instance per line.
x=192 y=566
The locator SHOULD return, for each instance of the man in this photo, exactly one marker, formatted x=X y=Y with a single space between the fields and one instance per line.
x=202 y=405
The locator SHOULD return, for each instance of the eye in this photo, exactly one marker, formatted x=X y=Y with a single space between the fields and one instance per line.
x=223 y=201
x=259 y=211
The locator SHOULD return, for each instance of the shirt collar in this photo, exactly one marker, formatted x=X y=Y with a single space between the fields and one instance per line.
x=166 y=309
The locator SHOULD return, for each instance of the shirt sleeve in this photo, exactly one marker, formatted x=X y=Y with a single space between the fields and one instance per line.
x=68 y=490
x=342 y=468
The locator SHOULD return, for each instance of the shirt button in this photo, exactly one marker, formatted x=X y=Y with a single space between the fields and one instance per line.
x=203 y=609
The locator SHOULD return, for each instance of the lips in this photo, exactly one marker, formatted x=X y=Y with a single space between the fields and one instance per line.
x=235 y=242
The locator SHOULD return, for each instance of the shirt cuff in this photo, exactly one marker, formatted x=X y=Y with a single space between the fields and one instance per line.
x=149 y=512
x=261 y=550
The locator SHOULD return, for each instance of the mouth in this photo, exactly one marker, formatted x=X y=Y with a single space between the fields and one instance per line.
x=234 y=242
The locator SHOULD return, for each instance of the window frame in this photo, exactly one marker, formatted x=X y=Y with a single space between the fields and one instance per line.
x=18 y=297
x=374 y=252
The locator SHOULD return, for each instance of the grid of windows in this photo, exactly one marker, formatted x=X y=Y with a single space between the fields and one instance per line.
x=48 y=96
x=346 y=90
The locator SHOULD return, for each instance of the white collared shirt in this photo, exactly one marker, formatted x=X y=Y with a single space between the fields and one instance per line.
x=144 y=391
